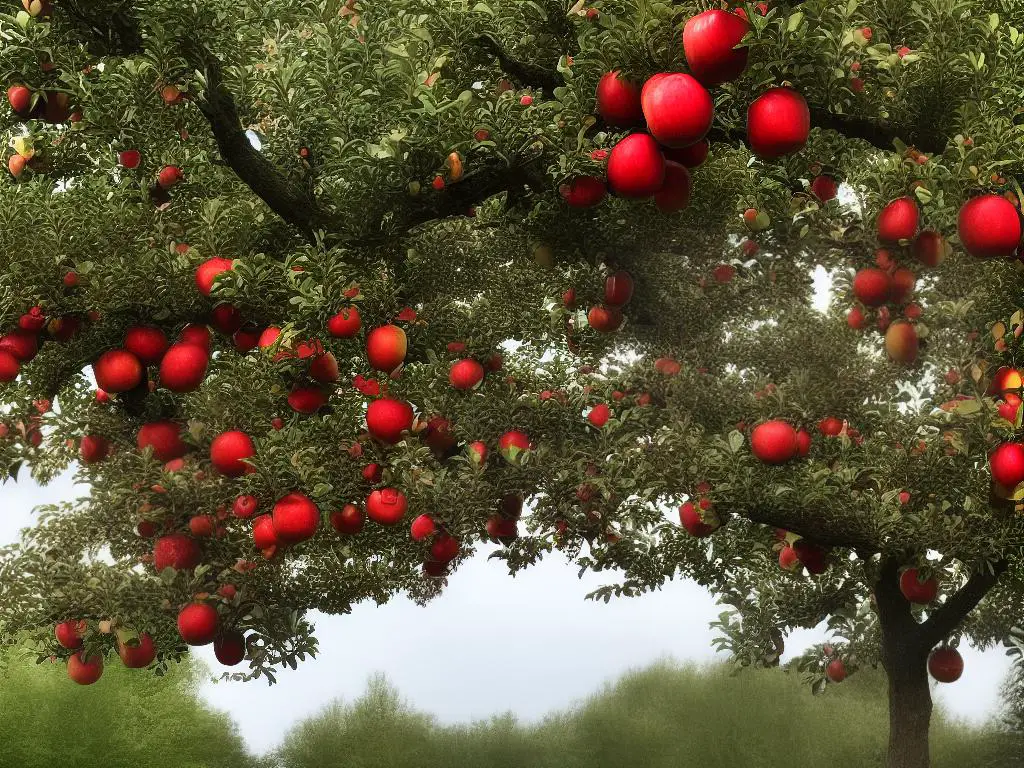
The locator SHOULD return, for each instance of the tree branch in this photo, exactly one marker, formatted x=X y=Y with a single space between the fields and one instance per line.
x=523 y=73
x=810 y=526
x=948 y=617
x=117 y=31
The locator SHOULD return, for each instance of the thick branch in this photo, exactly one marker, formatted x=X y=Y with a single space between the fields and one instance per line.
x=523 y=73
x=948 y=617
x=811 y=526
x=288 y=199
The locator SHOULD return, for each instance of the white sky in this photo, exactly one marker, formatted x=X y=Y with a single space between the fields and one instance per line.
x=531 y=644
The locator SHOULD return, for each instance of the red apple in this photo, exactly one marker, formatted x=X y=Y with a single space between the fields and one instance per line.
x=445 y=548
x=9 y=366
x=788 y=559
x=146 y=343
x=636 y=167
x=803 y=442
x=199 y=335
x=228 y=452
x=618 y=288
x=1007 y=464
x=229 y=647
x=348 y=521
x=830 y=426
x=898 y=220
x=244 y=507
x=778 y=123
x=85 y=671
x=24 y=345
x=422 y=527
x=695 y=522
x=824 y=187
x=386 y=506
x=164 y=437
x=916 y=590
x=197 y=623
x=989 y=227
x=20 y=99
x=245 y=340
x=692 y=156
x=226 y=318
x=618 y=101
x=387 y=419
x=386 y=347
x=872 y=286
x=177 y=551
x=69 y=633
x=183 y=367
x=93 y=448
x=678 y=109
x=605 y=319
x=207 y=272
x=945 y=665
x=117 y=371
x=836 y=671
x=264 y=535
x=465 y=374
x=901 y=342
x=774 y=442
x=138 y=653
x=296 y=518
x=345 y=324
x=599 y=415
x=709 y=42
x=129 y=158
x=170 y=176
x=930 y=248
x=512 y=445
x=307 y=400
x=583 y=192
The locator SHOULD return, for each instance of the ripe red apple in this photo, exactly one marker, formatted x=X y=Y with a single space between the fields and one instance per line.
x=345 y=324
x=774 y=442
x=618 y=101
x=678 y=109
x=177 y=551
x=502 y=528
x=170 y=176
x=945 y=665
x=348 y=521
x=9 y=366
x=228 y=452
x=465 y=374
x=20 y=99
x=307 y=400
x=989 y=226
x=16 y=165
x=138 y=653
x=296 y=518
x=229 y=647
x=583 y=192
x=85 y=671
x=599 y=415
x=824 y=187
x=245 y=340
x=836 y=671
x=1007 y=464
x=146 y=343
x=898 y=220
x=117 y=370
x=386 y=506
x=916 y=590
x=778 y=123
x=164 y=437
x=930 y=248
x=93 y=448
x=183 y=367
x=618 y=288
x=788 y=559
x=692 y=156
x=386 y=347
x=445 y=548
x=477 y=452
x=674 y=194
x=605 y=319
x=69 y=633
x=695 y=522
x=636 y=167
x=226 y=318
x=244 y=507
x=206 y=273
x=264 y=535
x=830 y=426
x=512 y=445
x=422 y=527
x=901 y=342
x=24 y=345
x=129 y=158
x=872 y=286
x=202 y=526
x=813 y=557
x=709 y=42
x=199 y=335
x=372 y=473
x=903 y=283
x=439 y=438
x=197 y=623
x=1006 y=379
x=803 y=442
x=387 y=419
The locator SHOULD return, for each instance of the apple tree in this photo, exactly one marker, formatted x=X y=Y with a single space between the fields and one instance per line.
x=318 y=295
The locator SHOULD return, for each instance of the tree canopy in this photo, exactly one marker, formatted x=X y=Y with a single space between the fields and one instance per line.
x=438 y=294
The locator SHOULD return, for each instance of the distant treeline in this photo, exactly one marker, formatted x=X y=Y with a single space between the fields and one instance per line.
x=666 y=716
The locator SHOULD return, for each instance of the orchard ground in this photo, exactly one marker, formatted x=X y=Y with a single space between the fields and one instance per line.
x=561 y=647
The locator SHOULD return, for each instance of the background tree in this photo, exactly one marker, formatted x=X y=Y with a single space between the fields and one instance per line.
x=272 y=169
x=127 y=720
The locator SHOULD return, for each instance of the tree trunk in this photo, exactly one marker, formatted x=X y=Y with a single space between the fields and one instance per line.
x=910 y=707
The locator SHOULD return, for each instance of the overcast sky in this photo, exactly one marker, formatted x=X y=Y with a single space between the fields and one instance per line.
x=529 y=644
